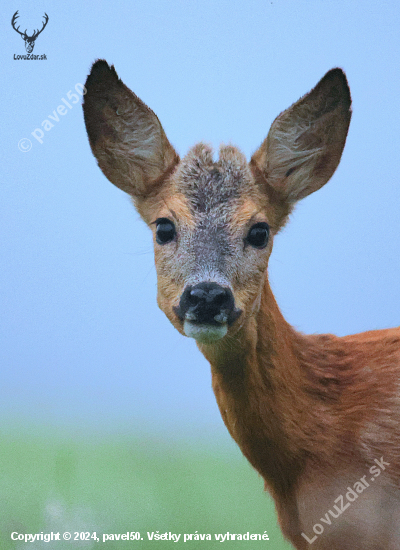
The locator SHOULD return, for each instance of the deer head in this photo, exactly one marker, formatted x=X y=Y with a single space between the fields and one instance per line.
x=29 y=40
x=214 y=221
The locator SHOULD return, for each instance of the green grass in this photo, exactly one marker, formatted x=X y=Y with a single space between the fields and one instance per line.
x=114 y=485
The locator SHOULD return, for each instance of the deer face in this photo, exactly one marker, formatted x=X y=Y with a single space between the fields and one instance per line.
x=212 y=236
x=213 y=221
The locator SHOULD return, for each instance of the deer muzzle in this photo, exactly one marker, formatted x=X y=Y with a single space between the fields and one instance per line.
x=207 y=310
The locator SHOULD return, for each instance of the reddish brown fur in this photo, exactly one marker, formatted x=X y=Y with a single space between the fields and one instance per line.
x=300 y=405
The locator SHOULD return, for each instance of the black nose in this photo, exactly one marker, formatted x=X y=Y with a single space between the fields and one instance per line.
x=207 y=303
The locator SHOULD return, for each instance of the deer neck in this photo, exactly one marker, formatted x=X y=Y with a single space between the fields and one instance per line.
x=258 y=380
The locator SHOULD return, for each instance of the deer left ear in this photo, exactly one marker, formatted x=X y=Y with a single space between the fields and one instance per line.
x=126 y=137
x=305 y=142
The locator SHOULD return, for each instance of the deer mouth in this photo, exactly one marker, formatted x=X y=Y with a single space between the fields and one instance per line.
x=206 y=330
x=205 y=333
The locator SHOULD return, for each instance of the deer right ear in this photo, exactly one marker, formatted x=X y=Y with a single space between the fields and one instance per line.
x=126 y=137
x=305 y=142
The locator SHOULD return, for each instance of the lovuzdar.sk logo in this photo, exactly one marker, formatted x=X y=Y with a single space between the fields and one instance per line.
x=29 y=39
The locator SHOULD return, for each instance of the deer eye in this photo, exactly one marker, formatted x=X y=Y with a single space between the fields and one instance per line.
x=258 y=235
x=165 y=231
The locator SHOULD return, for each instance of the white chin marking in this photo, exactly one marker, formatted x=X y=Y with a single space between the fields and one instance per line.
x=205 y=334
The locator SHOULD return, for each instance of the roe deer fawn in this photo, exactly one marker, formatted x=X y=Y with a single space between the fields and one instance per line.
x=317 y=416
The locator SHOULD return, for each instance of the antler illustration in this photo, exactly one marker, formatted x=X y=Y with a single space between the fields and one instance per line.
x=13 y=21
x=37 y=32
x=29 y=40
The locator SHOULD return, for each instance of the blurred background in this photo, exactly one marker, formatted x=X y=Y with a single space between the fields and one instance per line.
x=107 y=418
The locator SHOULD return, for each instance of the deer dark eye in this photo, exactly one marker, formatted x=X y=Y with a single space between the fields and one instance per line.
x=258 y=235
x=165 y=231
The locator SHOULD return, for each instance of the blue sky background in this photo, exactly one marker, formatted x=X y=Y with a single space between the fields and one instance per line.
x=83 y=344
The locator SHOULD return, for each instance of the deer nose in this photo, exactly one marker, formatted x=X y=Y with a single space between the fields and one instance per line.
x=207 y=303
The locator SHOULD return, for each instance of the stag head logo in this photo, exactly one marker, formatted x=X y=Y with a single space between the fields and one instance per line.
x=29 y=40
